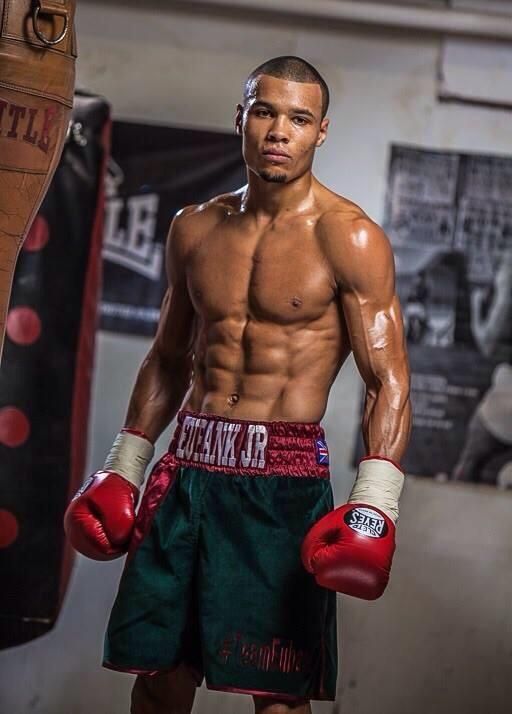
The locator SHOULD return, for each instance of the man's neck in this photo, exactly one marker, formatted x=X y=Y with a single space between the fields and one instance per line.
x=269 y=200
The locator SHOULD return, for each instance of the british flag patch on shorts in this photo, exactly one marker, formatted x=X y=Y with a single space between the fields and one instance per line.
x=322 y=453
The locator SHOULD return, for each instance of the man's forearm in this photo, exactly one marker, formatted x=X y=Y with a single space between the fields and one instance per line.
x=159 y=390
x=387 y=421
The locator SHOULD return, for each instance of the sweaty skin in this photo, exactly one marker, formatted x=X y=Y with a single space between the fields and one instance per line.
x=270 y=289
x=261 y=317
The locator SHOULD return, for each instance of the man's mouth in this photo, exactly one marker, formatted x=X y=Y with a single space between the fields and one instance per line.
x=276 y=156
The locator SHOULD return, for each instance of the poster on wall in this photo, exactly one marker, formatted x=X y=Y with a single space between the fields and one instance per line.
x=449 y=218
x=154 y=171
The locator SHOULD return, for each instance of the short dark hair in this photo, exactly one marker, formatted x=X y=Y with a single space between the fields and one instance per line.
x=293 y=68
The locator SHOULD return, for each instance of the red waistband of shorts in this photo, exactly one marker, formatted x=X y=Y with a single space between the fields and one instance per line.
x=241 y=446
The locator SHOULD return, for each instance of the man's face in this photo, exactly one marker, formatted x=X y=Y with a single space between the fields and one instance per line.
x=281 y=126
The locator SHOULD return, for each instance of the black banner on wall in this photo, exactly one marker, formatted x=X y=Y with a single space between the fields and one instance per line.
x=155 y=171
x=449 y=218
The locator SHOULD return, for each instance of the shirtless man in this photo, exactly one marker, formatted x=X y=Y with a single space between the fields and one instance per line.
x=236 y=551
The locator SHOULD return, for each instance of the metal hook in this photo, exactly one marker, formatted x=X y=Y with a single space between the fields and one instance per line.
x=45 y=40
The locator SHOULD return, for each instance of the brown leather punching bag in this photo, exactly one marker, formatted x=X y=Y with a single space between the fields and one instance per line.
x=37 y=78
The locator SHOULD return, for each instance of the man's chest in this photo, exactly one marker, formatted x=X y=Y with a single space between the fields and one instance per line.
x=276 y=276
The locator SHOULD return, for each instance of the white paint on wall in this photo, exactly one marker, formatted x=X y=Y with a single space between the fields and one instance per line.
x=466 y=66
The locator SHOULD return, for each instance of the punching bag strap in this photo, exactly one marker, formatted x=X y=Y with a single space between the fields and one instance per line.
x=50 y=7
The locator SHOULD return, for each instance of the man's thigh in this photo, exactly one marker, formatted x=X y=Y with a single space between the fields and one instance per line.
x=164 y=693
x=266 y=705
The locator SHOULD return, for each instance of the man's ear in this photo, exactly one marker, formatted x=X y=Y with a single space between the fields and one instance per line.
x=322 y=134
x=239 y=119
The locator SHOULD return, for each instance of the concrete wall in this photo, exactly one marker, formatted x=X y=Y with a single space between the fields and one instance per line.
x=440 y=640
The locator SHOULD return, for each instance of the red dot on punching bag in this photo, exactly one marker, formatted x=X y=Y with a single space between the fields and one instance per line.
x=23 y=325
x=9 y=528
x=14 y=427
x=38 y=234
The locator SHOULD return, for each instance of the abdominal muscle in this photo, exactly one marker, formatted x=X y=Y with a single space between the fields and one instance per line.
x=262 y=371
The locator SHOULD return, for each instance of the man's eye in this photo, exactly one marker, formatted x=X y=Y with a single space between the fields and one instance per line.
x=262 y=112
x=300 y=121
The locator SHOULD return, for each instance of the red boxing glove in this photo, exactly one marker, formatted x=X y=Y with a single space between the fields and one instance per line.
x=99 y=520
x=350 y=550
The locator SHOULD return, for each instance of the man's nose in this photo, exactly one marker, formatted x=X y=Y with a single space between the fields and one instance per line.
x=278 y=130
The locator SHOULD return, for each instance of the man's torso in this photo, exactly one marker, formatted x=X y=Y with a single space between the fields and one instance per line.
x=270 y=335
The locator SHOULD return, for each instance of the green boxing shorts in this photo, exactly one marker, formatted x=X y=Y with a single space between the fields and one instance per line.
x=213 y=578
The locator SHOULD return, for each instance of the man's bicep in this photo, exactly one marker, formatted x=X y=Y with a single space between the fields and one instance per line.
x=371 y=307
x=375 y=329
x=175 y=329
x=178 y=238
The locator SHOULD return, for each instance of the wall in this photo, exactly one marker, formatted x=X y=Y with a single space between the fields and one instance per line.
x=440 y=639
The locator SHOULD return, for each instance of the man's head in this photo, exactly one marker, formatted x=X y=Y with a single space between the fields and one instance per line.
x=282 y=118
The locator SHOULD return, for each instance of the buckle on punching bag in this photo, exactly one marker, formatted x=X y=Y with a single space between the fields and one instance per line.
x=38 y=10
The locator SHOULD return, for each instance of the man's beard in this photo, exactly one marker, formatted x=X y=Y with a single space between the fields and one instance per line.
x=272 y=177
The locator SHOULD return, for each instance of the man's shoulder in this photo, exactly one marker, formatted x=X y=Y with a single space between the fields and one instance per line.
x=351 y=241
x=342 y=225
x=341 y=217
x=209 y=212
x=192 y=223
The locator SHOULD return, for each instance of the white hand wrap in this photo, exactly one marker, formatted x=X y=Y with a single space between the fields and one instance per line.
x=379 y=483
x=129 y=457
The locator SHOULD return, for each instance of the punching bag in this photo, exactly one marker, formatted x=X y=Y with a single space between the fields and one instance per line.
x=45 y=378
x=37 y=77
